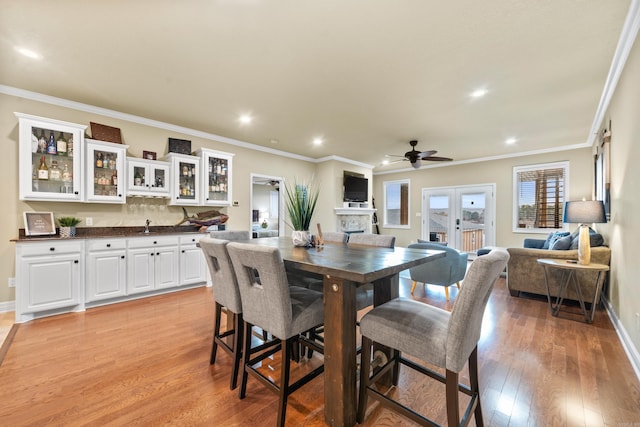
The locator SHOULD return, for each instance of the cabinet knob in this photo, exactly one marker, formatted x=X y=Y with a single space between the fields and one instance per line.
x=193 y=240
x=119 y=195
x=108 y=245
x=183 y=251
x=75 y=192
x=155 y=243
x=151 y=254
x=52 y=249
x=121 y=256
x=157 y=253
x=76 y=262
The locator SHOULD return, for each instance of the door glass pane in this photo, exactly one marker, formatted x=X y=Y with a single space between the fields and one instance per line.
x=472 y=225
x=439 y=214
x=160 y=178
x=187 y=180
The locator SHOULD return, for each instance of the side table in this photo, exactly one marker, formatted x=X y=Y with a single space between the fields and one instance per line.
x=569 y=269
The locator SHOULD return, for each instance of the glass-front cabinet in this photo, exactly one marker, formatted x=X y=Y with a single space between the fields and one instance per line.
x=185 y=180
x=105 y=171
x=50 y=159
x=217 y=173
x=147 y=178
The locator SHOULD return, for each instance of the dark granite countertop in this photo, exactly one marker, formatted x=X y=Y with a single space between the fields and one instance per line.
x=98 y=232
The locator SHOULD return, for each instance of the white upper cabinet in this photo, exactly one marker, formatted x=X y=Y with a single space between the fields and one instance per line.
x=149 y=178
x=51 y=159
x=216 y=173
x=105 y=172
x=185 y=180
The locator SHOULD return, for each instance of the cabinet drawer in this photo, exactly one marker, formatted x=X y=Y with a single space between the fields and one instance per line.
x=191 y=240
x=53 y=247
x=147 y=242
x=106 y=244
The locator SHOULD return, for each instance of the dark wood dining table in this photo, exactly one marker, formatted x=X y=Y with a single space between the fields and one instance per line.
x=344 y=268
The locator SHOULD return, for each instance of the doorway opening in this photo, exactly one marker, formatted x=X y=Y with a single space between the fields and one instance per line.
x=267 y=205
x=460 y=217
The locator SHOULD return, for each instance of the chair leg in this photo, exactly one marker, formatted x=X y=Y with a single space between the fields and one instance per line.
x=287 y=346
x=237 y=348
x=246 y=353
x=446 y=292
x=458 y=284
x=453 y=413
x=216 y=332
x=475 y=385
x=365 y=368
x=413 y=286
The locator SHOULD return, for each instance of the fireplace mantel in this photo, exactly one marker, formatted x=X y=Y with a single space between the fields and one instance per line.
x=354 y=211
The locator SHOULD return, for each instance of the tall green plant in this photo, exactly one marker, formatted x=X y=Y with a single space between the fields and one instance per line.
x=301 y=202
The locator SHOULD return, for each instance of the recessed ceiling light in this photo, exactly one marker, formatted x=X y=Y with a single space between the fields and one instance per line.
x=317 y=141
x=385 y=162
x=510 y=141
x=245 y=119
x=28 y=53
x=479 y=93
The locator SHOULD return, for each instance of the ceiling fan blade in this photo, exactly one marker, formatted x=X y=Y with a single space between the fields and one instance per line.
x=393 y=155
x=427 y=153
x=437 y=159
x=396 y=161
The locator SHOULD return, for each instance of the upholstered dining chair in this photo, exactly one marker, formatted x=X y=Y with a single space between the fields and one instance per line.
x=335 y=236
x=226 y=294
x=287 y=312
x=231 y=234
x=435 y=336
x=443 y=271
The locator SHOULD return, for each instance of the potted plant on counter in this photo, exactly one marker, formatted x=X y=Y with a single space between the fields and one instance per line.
x=68 y=226
x=301 y=202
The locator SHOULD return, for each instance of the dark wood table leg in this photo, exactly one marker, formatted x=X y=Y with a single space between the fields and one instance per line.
x=339 y=352
x=385 y=290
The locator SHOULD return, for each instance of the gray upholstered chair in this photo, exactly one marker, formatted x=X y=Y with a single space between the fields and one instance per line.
x=226 y=294
x=335 y=237
x=231 y=234
x=368 y=239
x=364 y=294
x=287 y=312
x=438 y=337
x=443 y=271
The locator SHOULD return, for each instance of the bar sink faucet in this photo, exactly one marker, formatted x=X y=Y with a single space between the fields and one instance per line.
x=146 y=226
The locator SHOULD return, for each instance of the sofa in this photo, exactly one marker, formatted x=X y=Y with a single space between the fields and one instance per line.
x=524 y=274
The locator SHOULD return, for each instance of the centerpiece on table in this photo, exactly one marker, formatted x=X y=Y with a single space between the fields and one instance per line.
x=301 y=201
x=68 y=226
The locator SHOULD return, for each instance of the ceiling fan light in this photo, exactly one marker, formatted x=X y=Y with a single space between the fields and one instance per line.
x=416 y=164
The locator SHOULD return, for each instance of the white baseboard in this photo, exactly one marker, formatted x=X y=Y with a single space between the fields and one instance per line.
x=7 y=306
x=625 y=339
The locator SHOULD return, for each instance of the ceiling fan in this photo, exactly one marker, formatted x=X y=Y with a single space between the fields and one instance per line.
x=414 y=156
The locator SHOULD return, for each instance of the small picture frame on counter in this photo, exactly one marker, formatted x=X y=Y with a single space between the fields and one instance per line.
x=149 y=155
x=39 y=224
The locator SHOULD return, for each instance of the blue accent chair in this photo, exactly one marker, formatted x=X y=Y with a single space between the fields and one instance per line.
x=443 y=271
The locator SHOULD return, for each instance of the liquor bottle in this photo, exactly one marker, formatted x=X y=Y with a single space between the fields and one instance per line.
x=105 y=161
x=55 y=174
x=51 y=146
x=43 y=170
x=61 y=145
x=137 y=179
x=185 y=170
x=42 y=142
x=114 y=178
x=66 y=174
x=99 y=160
x=112 y=162
x=70 y=146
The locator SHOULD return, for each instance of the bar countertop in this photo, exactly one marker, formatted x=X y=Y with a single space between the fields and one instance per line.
x=111 y=232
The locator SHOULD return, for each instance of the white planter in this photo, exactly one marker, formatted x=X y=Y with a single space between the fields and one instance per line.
x=67 y=232
x=301 y=238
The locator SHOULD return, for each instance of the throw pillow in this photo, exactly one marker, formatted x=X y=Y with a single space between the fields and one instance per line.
x=553 y=237
x=562 y=244
x=595 y=239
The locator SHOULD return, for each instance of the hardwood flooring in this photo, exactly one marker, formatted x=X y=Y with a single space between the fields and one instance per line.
x=146 y=362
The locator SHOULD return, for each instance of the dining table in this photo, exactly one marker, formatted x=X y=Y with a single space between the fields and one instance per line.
x=344 y=268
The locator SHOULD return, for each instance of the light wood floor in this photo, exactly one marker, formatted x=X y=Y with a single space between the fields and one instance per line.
x=146 y=362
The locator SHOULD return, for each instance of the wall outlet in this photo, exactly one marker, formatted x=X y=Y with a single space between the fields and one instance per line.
x=12 y=282
x=89 y=221
x=236 y=203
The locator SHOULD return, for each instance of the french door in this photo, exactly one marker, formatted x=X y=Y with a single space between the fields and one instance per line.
x=462 y=217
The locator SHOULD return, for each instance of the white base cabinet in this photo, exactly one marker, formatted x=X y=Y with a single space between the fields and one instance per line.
x=106 y=269
x=51 y=277
x=48 y=279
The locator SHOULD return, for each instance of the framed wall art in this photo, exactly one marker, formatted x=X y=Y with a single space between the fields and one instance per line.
x=149 y=155
x=39 y=224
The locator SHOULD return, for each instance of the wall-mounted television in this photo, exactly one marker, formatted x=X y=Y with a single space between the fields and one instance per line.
x=356 y=188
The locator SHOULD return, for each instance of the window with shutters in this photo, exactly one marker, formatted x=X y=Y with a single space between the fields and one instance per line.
x=539 y=196
x=396 y=204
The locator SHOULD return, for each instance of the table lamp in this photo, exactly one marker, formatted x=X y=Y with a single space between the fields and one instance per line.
x=584 y=212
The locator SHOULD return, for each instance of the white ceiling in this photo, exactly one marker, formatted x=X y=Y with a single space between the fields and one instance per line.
x=364 y=75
